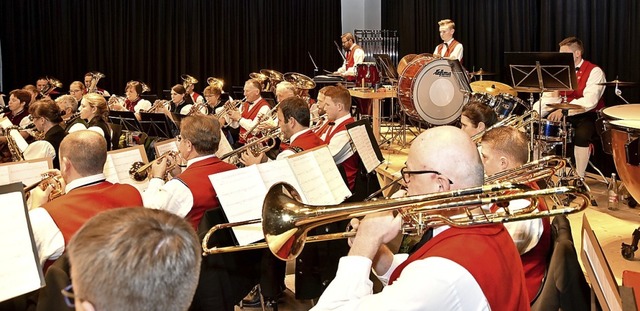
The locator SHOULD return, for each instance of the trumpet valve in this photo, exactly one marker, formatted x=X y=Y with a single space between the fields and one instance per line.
x=136 y=174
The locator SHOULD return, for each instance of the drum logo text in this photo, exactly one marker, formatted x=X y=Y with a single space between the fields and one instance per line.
x=442 y=73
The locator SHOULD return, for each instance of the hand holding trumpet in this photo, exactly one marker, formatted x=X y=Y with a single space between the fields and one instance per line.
x=159 y=167
x=51 y=186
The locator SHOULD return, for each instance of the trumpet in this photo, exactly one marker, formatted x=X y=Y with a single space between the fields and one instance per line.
x=286 y=221
x=229 y=106
x=48 y=179
x=267 y=117
x=197 y=109
x=114 y=99
x=256 y=145
x=140 y=171
x=157 y=105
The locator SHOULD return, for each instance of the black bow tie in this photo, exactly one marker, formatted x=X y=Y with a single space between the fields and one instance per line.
x=331 y=123
x=577 y=68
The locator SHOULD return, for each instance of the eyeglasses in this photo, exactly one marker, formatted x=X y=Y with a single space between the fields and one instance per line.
x=407 y=173
x=69 y=296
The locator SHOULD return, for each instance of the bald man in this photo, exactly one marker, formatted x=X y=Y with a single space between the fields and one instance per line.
x=458 y=269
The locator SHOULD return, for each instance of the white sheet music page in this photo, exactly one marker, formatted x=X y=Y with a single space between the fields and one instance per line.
x=118 y=164
x=332 y=176
x=27 y=172
x=164 y=146
x=311 y=178
x=279 y=171
x=20 y=271
x=364 y=146
x=224 y=147
x=241 y=193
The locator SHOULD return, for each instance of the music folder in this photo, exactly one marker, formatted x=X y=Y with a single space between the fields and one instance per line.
x=19 y=267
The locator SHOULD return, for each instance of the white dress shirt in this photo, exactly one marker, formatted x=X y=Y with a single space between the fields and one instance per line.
x=340 y=143
x=288 y=152
x=358 y=58
x=143 y=105
x=590 y=95
x=457 y=52
x=46 y=234
x=433 y=283
x=172 y=196
x=247 y=124
x=526 y=233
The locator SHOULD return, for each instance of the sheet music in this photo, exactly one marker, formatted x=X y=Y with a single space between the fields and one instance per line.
x=367 y=154
x=224 y=147
x=241 y=193
x=117 y=167
x=332 y=176
x=279 y=171
x=25 y=172
x=311 y=179
x=20 y=271
x=164 y=146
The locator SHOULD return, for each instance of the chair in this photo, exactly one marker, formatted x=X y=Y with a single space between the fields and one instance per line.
x=564 y=286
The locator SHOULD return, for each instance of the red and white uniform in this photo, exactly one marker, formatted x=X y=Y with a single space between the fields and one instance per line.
x=303 y=140
x=354 y=56
x=452 y=49
x=337 y=138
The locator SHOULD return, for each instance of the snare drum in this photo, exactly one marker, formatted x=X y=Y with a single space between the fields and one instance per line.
x=551 y=131
x=433 y=90
x=367 y=75
x=506 y=104
x=624 y=141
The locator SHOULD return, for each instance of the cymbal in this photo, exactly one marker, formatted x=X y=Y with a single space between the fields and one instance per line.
x=617 y=82
x=565 y=106
x=483 y=72
x=492 y=88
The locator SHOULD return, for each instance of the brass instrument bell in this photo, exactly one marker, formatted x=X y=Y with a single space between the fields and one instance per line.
x=188 y=80
x=215 y=82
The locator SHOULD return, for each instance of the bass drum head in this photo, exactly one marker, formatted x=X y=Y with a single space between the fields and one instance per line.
x=436 y=93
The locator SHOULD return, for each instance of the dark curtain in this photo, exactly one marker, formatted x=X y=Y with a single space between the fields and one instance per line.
x=156 y=41
x=488 y=28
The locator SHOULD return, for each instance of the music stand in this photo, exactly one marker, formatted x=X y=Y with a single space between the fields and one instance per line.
x=126 y=119
x=541 y=72
x=388 y=70
x=157 y=125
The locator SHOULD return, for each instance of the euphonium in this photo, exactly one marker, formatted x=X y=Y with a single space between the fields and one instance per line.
x=215 y=82
x=286 y=221
x=48 y=179
x=140 y=171
x=256 y=145
x=52 y=84
x=95 y=77
x=188 y=81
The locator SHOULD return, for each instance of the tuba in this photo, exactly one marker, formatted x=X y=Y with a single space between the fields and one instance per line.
x=188 y=81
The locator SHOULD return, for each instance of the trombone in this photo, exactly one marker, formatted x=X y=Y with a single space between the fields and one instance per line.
x=514 y=121
x=286 y=221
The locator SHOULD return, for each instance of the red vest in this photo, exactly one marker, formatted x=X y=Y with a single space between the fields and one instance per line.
x=583 y=76
x=534 y=262
x=350 y=165
x=449 y=49
x=196 y=178
x=488 y=253
x=306 y=141
x=351 y=61
x=251 y=114
x=322 y=128
x=72 y=210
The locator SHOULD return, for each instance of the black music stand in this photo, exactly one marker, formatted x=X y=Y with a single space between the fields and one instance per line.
x=126 y=119
x=535 y=72
x=157 y=125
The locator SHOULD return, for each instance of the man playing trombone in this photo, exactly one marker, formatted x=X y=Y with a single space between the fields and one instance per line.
x=475 y=268
x=506 y=148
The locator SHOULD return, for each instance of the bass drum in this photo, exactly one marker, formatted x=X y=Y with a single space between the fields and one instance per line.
x=433 y=90
x=624 y=143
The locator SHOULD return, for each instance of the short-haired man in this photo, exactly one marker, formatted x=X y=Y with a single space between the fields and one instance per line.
x=254 y=106
x=588 y=95
x=285 y=90
x=320 y=115
x=457 y=269
x=134 y=259
x=87 y=193
x=505 y=148
x=88 y=80
x=338 y=104
x=354 y=56
x=190 y=193
x=450 y=47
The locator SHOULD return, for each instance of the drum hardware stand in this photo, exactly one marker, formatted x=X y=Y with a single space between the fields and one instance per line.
x=628 y=250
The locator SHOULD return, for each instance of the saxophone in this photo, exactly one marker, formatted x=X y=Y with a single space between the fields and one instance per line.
x=14 y=149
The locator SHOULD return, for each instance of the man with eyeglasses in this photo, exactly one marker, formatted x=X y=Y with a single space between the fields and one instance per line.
x=458 y=269
x=77 y=90
x=133 y=259
x=354 y=56
x=506 y=148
